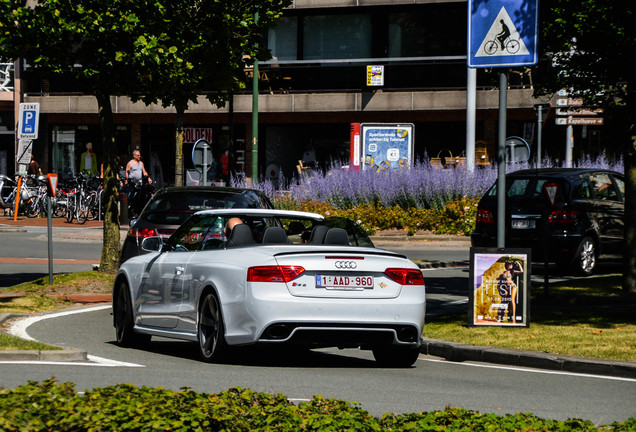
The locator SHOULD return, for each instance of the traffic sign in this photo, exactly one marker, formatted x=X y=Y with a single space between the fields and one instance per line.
x=24 y=151
x=550 y=190
x=202 y=155
x=502 y=33
x=581 y=121
x=52 y=184
x=28 y=120
x=578 y=112
x=569 y=102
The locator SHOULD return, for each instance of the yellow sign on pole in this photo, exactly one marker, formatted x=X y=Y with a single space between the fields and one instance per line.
x=375 y=75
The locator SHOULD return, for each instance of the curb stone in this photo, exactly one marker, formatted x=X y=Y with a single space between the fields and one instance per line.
x=60 y=355
x=459 y=352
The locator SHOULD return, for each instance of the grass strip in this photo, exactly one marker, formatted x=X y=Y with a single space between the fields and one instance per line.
x=591 y=317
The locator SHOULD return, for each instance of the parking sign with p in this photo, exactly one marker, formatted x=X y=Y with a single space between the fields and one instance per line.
x=29 y=120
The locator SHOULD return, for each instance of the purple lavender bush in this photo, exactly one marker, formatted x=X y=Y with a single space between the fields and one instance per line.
x=424 y=186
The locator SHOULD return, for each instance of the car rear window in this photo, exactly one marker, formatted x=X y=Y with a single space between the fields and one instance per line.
x=603 y=187
x=527 y=188
x=175 y=208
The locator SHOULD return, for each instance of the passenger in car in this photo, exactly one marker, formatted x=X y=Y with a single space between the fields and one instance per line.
x=229 y=226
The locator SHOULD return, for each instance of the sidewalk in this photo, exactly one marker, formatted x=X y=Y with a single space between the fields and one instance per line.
x=23 y=221
x=451 y=351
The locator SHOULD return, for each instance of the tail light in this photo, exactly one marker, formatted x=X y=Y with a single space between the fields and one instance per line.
x=274 y=273
x=484 y=216
x=143 y=233
x=405 y=276
x=563 y=216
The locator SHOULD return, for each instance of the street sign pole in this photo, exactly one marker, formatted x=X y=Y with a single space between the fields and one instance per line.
x=49 y=225
x=501 y=161
x=542 y=113
x=569 y=145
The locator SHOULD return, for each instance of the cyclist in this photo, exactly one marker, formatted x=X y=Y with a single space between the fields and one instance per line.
x=503 y=35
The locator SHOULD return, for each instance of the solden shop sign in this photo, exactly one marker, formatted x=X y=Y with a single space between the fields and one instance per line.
x=194 y=134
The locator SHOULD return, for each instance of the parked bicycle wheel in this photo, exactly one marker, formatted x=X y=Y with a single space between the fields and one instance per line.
x=32 y=207
x=81 y=211
x=70 y=208
x=60 y=207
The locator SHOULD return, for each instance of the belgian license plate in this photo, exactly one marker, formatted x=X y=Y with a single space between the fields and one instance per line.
x=344 y=282
x=523 y=223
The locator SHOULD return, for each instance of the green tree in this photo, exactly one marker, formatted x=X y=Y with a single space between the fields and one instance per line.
x=588 y=45
x=149 y=50
x=199 y=49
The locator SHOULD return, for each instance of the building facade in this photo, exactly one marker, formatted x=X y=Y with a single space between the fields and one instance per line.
x=310 y=92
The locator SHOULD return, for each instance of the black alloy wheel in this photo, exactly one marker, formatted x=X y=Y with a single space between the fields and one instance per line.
x=210 y=330
x=124 y=323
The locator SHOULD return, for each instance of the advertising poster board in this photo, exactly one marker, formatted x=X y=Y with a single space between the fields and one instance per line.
x=387 y=146
x=499 y=292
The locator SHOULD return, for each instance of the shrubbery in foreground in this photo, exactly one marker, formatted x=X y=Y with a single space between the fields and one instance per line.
x=50 y=406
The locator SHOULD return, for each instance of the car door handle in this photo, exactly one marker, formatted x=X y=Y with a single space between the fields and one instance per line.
x=179 y=270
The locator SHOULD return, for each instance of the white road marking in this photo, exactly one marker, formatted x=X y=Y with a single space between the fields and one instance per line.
x=525 y=369
x=19 y=329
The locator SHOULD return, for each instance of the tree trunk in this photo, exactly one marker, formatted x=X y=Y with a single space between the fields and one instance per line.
x=111 y=244
x=178 y=160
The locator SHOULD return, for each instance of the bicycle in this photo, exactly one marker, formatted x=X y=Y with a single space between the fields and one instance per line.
x=512 y=46
x=36 y=203
x=7 y=194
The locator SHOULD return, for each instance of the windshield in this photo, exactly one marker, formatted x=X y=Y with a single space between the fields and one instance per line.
x=175 y=208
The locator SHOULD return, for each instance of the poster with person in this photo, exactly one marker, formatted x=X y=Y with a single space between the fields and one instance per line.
x=500 y=285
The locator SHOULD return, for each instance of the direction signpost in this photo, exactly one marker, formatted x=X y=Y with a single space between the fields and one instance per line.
x=572 y=112
x=580 y=121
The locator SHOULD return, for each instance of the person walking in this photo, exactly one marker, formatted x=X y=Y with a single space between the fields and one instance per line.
x=135 y=169
x=34 y=167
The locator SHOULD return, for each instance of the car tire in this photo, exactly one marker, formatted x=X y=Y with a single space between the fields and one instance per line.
x=400 y=357
x=210 y=330
x=584 y=260
x=123 y=320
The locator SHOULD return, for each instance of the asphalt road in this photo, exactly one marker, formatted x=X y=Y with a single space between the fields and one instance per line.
x=349 y=374
x=24 y=252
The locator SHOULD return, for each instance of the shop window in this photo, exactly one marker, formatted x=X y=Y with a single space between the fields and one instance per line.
x=63 y=152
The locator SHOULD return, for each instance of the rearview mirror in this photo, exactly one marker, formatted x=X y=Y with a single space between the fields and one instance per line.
x=152 y=244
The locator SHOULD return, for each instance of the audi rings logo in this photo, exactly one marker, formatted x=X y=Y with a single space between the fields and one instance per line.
x=346 y=264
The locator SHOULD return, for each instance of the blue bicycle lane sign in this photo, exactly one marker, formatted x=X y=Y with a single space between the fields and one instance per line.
x=502 y=33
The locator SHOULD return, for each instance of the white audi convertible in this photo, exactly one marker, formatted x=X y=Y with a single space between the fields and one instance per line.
x=255 y=276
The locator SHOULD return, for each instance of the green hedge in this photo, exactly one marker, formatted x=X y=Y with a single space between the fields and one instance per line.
x=457 y=217
x=50 y=406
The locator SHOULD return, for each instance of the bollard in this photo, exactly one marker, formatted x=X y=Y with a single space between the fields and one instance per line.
x=123 y=209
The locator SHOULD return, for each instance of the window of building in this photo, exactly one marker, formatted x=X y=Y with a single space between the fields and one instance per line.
x=336 y=37
x=427 y=32
x=282 y=39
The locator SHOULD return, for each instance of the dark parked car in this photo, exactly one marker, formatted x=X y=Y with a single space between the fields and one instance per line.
x=170 y=207
x=585 y=223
